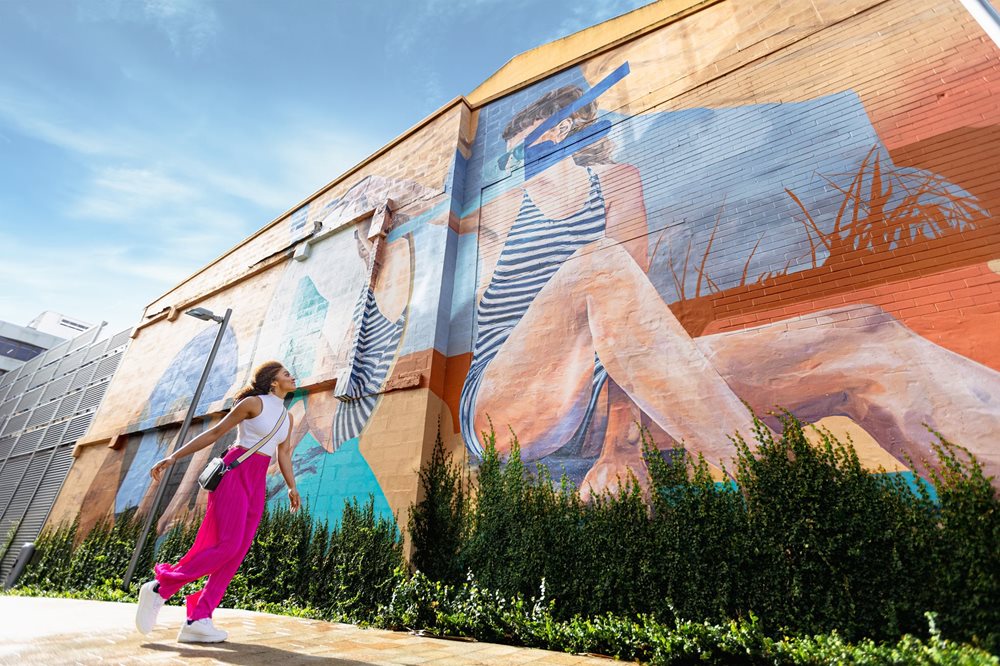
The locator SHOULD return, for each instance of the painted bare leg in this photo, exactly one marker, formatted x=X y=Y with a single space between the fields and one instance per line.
x=600 y=300
x=650 y=355
x=861 y=362
x=621 y=455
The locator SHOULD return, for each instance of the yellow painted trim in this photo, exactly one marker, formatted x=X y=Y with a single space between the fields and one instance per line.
x=543 y=61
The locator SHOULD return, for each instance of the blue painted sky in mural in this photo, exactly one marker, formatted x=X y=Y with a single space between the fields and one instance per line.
x=147 y=137
x=326 y=480
x=174 y=389
x=151 y=448
x=303 y=331
x=336 y=478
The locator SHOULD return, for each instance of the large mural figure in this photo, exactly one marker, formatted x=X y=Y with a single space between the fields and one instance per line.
x=575 y=343
x=328 y=423
x=569 y=274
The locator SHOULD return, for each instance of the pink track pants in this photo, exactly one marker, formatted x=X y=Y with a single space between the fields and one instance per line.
x=231 y=519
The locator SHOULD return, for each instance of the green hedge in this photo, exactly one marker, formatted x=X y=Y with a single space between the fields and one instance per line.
x=469 y=610
x=295 y=563
x=804 y=538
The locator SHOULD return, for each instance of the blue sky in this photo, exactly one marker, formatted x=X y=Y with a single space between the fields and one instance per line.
x=140 y=139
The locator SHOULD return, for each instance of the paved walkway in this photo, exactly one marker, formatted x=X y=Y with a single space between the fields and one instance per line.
x=68 y=631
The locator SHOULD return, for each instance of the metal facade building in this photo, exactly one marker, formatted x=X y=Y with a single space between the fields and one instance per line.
x=46 y=405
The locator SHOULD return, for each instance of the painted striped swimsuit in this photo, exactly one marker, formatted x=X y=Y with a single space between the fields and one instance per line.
x=376 y=351
x=534 y=250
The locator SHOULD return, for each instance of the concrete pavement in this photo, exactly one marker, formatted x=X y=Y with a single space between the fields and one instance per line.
x=46 y=631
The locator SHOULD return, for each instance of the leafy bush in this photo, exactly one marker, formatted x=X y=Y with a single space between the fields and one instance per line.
x=963 y=542
x=294 y=565
x=49 y=568
x=100 y=559
x=828 y=543
x=469 y=610
x=365 y=554
x=438 y=523
x=697 y=557
x=805 y=539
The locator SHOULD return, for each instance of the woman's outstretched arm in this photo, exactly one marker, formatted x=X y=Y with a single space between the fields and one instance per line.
x=246 y=408
x=285 y=465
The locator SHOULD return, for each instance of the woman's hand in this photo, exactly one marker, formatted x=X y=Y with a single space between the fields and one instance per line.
x=156 y=471
x=294 y=499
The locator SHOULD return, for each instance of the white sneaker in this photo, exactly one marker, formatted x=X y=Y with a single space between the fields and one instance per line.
x=201 y=631
x=150 y=603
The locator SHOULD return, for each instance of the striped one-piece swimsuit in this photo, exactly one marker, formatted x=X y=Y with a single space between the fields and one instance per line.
x=373 y=358
x=534 y=250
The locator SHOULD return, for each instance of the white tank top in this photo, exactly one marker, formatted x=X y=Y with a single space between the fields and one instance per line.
x=251 y=431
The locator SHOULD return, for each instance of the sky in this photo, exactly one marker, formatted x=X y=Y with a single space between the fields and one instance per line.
x=141 y=139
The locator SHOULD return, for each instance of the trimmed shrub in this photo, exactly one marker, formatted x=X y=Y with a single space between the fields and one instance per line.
x=438 y=524
x=803 y=538
x=294 y=564
x=827 y=542
x=469 y=610
x=963 y=542
x=50 y=567
x=697 y=563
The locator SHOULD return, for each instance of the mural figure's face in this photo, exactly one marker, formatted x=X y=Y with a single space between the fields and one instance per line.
x=514 y=157
x=283 y=382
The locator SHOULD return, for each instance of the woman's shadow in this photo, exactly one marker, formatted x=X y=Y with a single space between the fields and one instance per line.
x=250 y=654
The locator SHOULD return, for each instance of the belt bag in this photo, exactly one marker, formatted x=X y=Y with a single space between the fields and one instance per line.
x=211 y=476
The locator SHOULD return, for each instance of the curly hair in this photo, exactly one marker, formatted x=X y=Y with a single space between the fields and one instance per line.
x=552 y=103
x=263 y=377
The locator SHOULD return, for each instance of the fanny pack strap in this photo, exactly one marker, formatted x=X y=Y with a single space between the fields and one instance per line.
x=262 y=442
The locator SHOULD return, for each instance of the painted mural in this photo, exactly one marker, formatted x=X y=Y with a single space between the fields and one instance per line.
x=341 y=313
x=744 y=207
x=609 y=245
x=351 y=303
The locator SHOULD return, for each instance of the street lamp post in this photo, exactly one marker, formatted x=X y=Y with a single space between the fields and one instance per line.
x=206 y=315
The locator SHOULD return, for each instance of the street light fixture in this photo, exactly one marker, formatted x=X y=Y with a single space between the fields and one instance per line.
x=204 y=315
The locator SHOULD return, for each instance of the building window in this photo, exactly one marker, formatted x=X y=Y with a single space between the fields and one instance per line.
x=20 y=351
x=72 y=324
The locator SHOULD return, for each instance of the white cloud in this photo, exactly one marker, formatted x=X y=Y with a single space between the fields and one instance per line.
x=189 y=25
x=105 y=281
x=32 y=116
x=122 y=194
x=409 y=28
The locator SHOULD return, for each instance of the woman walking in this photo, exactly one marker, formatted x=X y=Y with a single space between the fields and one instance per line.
x=234 y=508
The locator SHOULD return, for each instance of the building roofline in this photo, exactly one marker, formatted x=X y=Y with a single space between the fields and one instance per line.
x=542 y=61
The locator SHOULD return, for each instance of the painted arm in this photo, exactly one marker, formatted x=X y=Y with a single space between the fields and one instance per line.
x=393 y=282
x=495 y=221
x=285 y=465
x=626 y=210
x=246 y=408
